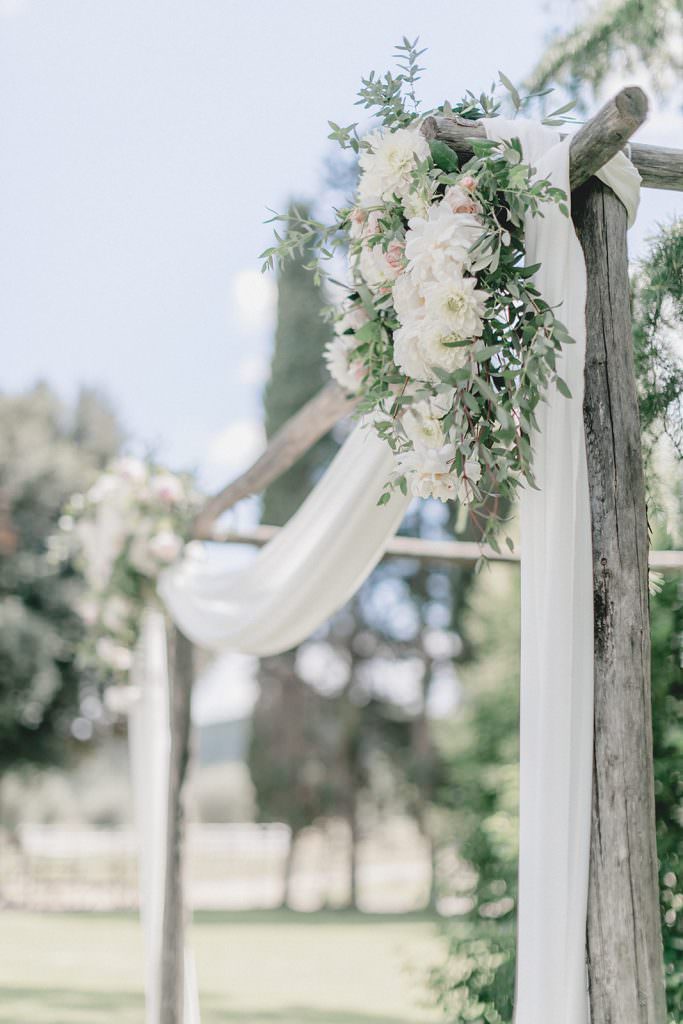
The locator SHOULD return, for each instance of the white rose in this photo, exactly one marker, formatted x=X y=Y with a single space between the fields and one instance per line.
x=428 y=472
x=439 y=243
x=347 y=371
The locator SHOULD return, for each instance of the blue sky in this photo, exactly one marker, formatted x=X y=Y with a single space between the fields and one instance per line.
x=142 y=141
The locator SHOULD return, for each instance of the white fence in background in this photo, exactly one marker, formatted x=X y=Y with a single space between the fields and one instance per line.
x=229 y=867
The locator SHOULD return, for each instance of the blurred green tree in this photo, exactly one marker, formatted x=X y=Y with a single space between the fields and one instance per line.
x=616 y=36
x=287 y=752
x=47 y=452
x=342 y=748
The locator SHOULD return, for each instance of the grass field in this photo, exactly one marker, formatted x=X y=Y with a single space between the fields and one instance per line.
x=254 y=968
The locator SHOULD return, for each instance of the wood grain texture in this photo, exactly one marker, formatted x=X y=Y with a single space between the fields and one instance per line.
x=288 y=444
x=624 y=937
x=593 y=145
x=181 y=669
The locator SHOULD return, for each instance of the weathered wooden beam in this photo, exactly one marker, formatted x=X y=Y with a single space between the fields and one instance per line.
x=456 y=552
x=624 y=943
x=291 y=441
x=181 y=670
x=592 y=146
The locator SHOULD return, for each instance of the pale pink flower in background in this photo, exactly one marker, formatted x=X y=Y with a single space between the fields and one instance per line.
x=131 y=469
x=377 y=269
x=167 y=488
x=468 y=183
x=88 y=609
x=459 y=200
x=357 y=217
x=395 y=256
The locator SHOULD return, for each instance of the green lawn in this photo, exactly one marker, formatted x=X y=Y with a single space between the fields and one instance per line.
x=254 y=968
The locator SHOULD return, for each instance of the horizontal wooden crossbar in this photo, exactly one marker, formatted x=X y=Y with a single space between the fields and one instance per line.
x=592 y=146
x=456 y=552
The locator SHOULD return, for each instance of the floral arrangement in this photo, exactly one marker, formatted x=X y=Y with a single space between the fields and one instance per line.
x=440 y=330
x=130 y=525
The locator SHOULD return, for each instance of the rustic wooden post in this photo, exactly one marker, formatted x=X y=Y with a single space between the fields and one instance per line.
x=624 y=943
x=181 y=664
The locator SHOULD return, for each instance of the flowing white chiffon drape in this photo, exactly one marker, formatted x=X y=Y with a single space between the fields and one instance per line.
x=556 y=690
x=321 y=557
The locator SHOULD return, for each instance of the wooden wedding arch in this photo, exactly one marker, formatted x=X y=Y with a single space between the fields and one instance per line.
x=623 y=942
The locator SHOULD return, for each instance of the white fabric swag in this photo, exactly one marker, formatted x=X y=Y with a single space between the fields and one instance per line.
x=321 y=557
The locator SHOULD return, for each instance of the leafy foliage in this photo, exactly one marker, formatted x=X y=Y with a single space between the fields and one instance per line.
x=657 y=321
x=619 y=35
x=47 y=451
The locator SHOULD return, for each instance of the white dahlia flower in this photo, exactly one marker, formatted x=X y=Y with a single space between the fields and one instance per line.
x=456 y=306
x=387 y=167
x=437 y=349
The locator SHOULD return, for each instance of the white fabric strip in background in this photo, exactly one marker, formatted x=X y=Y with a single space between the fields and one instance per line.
x=149 y=745
x=321 y=557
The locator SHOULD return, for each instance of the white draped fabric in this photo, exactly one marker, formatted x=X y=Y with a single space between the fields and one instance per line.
x=308 y=571
x=149 y=745
x=330 y=546
x=556 y=714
